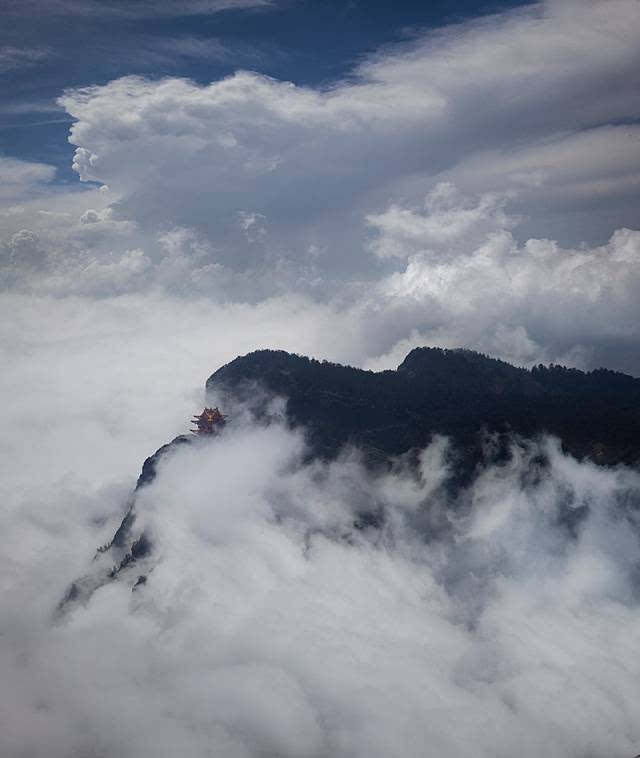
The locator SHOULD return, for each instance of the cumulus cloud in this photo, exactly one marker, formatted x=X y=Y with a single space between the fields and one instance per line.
x=443 y=225
x=115 y=277
x=535 y=301
x=528 y=102
x=454 y=180
x=463 y=280
x=271 y=188
x=24 y=248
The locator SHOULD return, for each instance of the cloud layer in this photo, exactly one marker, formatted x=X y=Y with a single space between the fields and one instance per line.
x=270 y=625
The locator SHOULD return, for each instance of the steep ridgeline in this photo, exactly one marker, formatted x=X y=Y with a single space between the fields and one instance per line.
x=128 y=553
x=458 y=393
x=478 y=402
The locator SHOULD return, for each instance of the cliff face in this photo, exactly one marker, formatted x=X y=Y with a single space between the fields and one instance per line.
x=457 y=393
x=129 y=550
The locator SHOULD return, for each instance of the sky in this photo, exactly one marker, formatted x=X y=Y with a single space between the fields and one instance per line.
x=460 y=179
x=185 y=182
x=48 y=47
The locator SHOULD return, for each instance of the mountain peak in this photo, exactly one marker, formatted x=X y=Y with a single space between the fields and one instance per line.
x=453 y=392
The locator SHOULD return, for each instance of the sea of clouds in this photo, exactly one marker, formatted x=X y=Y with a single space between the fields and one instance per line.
x=475 y=187
x=269 y=625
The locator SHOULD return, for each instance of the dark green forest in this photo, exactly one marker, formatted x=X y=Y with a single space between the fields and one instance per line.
x=467 y=396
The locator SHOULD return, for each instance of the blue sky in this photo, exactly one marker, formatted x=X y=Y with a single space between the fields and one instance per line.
x=50 y=46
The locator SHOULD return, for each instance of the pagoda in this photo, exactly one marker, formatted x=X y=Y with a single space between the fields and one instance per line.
x=210 y=421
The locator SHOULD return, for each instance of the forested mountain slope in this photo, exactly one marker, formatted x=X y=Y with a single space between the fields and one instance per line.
x=458 y=393
x=481 y=404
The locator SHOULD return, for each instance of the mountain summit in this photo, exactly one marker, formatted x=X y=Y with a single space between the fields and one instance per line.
x=457 y=393
x=480 y=404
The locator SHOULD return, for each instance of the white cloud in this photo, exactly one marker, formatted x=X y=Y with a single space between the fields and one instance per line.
x=463 y=280
x=253 y=225
x=30 y=106
x=445 y=226
x=528 y=303
x=267 y=622
x=91 y=217
x=18 y=57
x=23 y=179
x=115 y=277
x=165 y=51
x=318 y=166
x=24 y=248
x=516 y=102
x=346 y=170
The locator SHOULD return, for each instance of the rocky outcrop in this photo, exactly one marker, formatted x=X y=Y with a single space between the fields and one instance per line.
x=130 y=548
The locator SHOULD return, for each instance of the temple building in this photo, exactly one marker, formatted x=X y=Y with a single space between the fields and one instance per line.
x=210 y=421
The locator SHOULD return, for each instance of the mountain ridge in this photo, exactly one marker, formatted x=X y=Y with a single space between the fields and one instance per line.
x=453 y=392
x=481 y=404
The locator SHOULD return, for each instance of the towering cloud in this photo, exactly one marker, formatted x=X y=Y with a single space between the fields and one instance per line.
x=422 y=191
x=528 y=103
